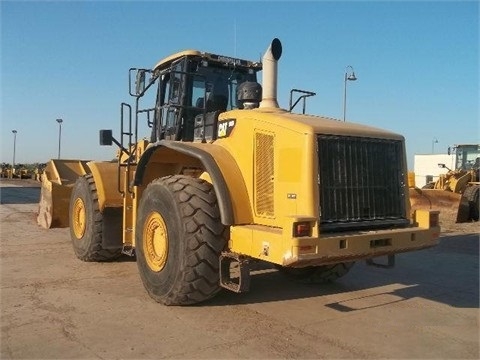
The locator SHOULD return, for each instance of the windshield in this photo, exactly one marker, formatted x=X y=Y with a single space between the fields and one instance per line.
x=468 y=157
x=217 y=87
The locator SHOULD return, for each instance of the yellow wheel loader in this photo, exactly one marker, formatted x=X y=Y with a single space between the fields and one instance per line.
x=227 y=177
x=457 y=191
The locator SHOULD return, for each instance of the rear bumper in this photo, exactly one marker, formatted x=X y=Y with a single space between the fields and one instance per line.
x=351 y=247
x=276 y=245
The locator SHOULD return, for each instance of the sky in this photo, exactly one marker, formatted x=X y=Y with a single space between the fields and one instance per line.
x=416 y=63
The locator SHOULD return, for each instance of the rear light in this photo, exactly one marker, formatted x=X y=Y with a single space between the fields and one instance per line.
x=301 y=229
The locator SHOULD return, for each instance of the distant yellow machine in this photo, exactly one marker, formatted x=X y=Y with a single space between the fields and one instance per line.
x=228 y=177
x=457 y=189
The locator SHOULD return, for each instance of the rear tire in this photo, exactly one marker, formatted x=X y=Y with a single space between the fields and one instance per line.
x=86 y=222
x=179 y=238
x=472 y=193
x=318 y=274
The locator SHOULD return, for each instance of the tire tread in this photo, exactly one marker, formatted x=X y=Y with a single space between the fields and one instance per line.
x=95 y=251
x=205 y=238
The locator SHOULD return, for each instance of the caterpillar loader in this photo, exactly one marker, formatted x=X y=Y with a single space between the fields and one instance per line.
x=227 y=177
x=455 y=192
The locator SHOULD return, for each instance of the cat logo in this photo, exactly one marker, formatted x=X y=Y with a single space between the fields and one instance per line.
x=225 y=128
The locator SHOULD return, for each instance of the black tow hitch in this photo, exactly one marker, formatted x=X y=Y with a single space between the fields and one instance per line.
x=390 y=262
x=234 y=272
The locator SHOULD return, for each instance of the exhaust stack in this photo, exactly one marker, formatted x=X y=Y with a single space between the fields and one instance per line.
x=269 y=74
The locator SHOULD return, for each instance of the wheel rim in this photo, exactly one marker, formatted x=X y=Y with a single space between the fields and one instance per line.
x=155 y=242
x=79 y=218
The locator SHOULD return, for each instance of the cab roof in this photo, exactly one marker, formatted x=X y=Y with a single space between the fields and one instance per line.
x=219 y=59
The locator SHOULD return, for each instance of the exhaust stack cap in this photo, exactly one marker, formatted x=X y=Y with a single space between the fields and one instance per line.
x=269 y=74
x=276 y=48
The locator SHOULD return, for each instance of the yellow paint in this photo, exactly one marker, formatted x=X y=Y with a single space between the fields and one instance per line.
x=79 y=218
x=105 y=175
x=234 y=180
x=411 y=179
x=155 y=241
x=129 y=208
x=283 y=249
x=268 y=234
x=290 y=165
x=58 y=180
x=423 y=217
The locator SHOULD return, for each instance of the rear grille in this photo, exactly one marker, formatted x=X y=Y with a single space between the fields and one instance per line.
x=361 y=183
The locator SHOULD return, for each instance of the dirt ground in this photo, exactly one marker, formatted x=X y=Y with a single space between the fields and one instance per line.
x=54 y=306
x=448 y=224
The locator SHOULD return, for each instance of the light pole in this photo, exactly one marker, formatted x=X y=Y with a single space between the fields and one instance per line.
x=348 y=77
x=14 y=146
x=59 y=135
x=434 y=141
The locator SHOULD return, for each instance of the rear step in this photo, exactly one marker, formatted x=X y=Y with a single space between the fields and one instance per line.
x=234 y=278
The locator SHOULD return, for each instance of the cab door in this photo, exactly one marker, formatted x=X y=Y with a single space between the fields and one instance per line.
x=172 y=100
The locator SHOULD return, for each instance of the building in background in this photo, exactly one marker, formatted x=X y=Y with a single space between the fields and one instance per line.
x=426 y=167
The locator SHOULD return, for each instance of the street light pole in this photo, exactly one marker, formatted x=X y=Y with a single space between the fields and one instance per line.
x=348 y=77
x=59 y=135
x=14 y=146
x=434 y=141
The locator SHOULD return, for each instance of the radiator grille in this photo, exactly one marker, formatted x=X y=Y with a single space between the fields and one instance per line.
x=361 y=183
x=264 y=205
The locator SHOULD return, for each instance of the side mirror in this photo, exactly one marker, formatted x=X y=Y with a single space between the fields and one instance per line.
x=441 y=166
x=449 y=151
x=140 y=82
x=106 y=137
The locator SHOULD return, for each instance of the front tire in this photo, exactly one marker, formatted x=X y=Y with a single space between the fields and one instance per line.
x=86 y=223
x=179 y=238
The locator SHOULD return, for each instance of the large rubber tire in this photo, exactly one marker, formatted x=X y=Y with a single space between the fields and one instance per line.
x=86 y=223
x=472 y=193
x=318 y=274
x=179 y=238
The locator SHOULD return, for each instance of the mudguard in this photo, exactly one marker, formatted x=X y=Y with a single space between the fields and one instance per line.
x=223 y=173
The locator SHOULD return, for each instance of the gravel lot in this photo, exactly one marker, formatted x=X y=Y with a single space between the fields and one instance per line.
x=54 y=306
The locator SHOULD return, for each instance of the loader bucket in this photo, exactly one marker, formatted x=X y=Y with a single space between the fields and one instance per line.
x=448 y=203
x=58 y=179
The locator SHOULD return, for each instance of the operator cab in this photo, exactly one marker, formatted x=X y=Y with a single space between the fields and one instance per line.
x=467 y=157
x=193 y=89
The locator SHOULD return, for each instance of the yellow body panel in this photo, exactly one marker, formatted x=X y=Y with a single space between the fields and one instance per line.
x=269 y=163
x=130 y=205
x=294 y=190
x=279 y=247
x=105 y=175
x=295 y=174
x=292 y=180
x=234 y=180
